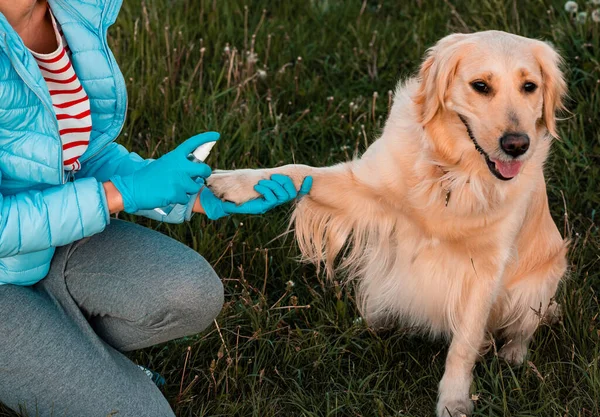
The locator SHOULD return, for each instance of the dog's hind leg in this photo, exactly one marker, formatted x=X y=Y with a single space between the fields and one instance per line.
x=528 y=304
x=530 y=282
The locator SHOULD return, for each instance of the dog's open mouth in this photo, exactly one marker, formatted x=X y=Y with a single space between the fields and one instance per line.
x=503 y=170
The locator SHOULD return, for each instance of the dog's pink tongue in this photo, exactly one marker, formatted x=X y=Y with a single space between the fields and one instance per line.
x=508 y=169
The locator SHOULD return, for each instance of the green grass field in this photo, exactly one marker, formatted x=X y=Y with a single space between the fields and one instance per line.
x=308 y=81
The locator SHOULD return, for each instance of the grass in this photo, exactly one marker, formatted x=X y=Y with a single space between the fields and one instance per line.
x=308 y=81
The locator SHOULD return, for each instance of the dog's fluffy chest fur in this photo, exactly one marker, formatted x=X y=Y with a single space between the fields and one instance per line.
x=419 y=266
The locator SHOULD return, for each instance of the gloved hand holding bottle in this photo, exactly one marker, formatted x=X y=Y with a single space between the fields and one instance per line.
x=176 y=184
x=171 y=179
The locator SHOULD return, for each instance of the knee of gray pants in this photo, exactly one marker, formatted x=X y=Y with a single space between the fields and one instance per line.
x=190 y=298
x=197 y=297
x=180 y=296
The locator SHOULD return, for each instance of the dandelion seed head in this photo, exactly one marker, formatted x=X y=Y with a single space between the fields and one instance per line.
x=596 y=15
x=581 y=17
x=252 y=58
x=571 y=7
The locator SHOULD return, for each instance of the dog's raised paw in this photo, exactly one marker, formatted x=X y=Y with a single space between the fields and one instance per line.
x=235 y=186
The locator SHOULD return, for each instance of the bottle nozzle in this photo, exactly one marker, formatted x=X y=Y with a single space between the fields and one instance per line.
x=202 y=151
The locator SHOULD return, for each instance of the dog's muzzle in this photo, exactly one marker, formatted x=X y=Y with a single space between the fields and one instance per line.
x=510 y=168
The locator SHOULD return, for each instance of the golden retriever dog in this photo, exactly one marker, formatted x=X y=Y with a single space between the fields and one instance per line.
x=443 y=223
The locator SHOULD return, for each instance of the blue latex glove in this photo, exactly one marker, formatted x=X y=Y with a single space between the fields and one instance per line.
x=168 y=180
x=278 y=190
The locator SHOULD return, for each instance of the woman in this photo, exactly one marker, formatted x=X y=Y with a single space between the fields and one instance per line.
x=78 y=288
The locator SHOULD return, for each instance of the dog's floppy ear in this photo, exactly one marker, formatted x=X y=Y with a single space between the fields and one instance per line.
x=554 y=87
x=437 y=74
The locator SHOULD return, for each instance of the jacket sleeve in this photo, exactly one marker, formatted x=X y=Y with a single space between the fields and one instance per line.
x=112 y=160
x=32 y=221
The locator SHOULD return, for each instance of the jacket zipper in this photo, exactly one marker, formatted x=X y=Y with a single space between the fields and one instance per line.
x=28 y=84
x=111 y=62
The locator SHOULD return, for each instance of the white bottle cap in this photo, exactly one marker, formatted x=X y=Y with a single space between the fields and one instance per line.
x=202 y=151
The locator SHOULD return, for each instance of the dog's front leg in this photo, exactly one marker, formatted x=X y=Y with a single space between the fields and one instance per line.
x=238 y=186
x=468 y=337
x=336 y=186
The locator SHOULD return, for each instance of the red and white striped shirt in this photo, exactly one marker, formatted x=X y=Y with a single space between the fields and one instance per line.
x=69 y=99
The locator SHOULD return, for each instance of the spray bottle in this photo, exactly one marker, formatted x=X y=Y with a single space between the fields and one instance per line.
x=199 y=155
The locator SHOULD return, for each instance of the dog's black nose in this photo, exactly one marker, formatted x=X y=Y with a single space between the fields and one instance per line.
x=514 y=144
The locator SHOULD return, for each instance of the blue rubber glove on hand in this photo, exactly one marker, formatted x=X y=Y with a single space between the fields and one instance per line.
x=168 y=180
x=278 y=190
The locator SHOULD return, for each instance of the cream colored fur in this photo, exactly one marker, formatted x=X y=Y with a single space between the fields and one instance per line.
x=488 y=260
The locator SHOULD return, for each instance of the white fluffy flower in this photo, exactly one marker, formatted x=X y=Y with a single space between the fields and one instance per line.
x=581 y=17
x=252 y=57
x=596 y=15
x=571 y=6
x=595 y=2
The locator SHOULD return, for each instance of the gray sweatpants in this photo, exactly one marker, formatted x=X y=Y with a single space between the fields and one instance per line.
x=124 y=289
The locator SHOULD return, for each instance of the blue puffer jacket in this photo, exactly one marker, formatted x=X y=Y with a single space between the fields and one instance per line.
x=41 y=207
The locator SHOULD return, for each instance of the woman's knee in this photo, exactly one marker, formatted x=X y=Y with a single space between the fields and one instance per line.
x=197 y=297
x=183 y=297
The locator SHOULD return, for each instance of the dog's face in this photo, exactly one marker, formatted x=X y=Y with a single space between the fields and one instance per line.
x=503 y=89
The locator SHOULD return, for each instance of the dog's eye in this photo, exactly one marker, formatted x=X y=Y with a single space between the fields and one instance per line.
x=480 y=87
x=529 y=87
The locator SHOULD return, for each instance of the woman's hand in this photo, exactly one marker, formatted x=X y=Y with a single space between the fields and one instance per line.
x=168 y=180
x=278 y=190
